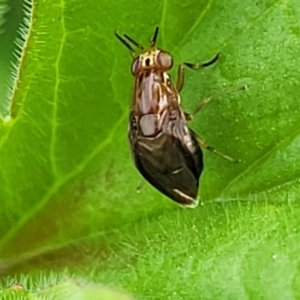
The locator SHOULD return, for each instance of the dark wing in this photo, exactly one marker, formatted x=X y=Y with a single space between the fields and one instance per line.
x=169 y=166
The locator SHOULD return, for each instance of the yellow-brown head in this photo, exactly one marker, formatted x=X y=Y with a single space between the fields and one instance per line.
x=151 y=59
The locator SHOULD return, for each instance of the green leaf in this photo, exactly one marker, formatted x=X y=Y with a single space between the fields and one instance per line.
x=3 y=10
x=12 y=29
x=58 y=287
x=66 y=173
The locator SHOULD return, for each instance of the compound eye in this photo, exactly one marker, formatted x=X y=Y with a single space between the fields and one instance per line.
x=164 y=60
x=135 y=66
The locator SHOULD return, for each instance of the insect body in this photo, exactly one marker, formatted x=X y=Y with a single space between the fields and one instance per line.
x=165 y=151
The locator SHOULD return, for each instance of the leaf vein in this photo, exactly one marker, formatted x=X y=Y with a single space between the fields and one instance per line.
x=163 y=21
x=261 y=159
x=60 y=183
x=56 y=93
x=250 y=25
x=193 y=27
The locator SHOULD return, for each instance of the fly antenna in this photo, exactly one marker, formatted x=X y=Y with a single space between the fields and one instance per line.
x=134 y=42
x=153 y=41
x=124 y=42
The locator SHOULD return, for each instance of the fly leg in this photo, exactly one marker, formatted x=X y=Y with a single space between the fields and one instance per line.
x=179 y=86
x=213 y=150
x=180 y=72
x=198 y=108
x=141 y=185
x=206 y=100
x=180 y=78
x=190 y=116
x=196 y=66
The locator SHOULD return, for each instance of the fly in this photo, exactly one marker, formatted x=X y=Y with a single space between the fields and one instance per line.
x=165 y=150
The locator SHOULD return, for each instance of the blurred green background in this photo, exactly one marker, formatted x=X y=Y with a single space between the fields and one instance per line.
x=11 y=16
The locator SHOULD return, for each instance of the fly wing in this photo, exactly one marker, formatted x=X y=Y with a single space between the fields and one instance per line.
x=198 y=152
x=170 y=166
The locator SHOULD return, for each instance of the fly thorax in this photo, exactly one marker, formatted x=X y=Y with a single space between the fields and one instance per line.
x=147 y=93
x=149 y=125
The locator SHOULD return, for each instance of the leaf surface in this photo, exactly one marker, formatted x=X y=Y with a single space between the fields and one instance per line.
x=66 y=172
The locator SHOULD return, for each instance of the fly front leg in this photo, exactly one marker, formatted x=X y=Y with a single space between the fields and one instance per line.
x=180 y=78
x=193 y=66
x=212 y=149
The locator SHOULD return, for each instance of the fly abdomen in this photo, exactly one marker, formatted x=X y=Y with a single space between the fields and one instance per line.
x=169 y=166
